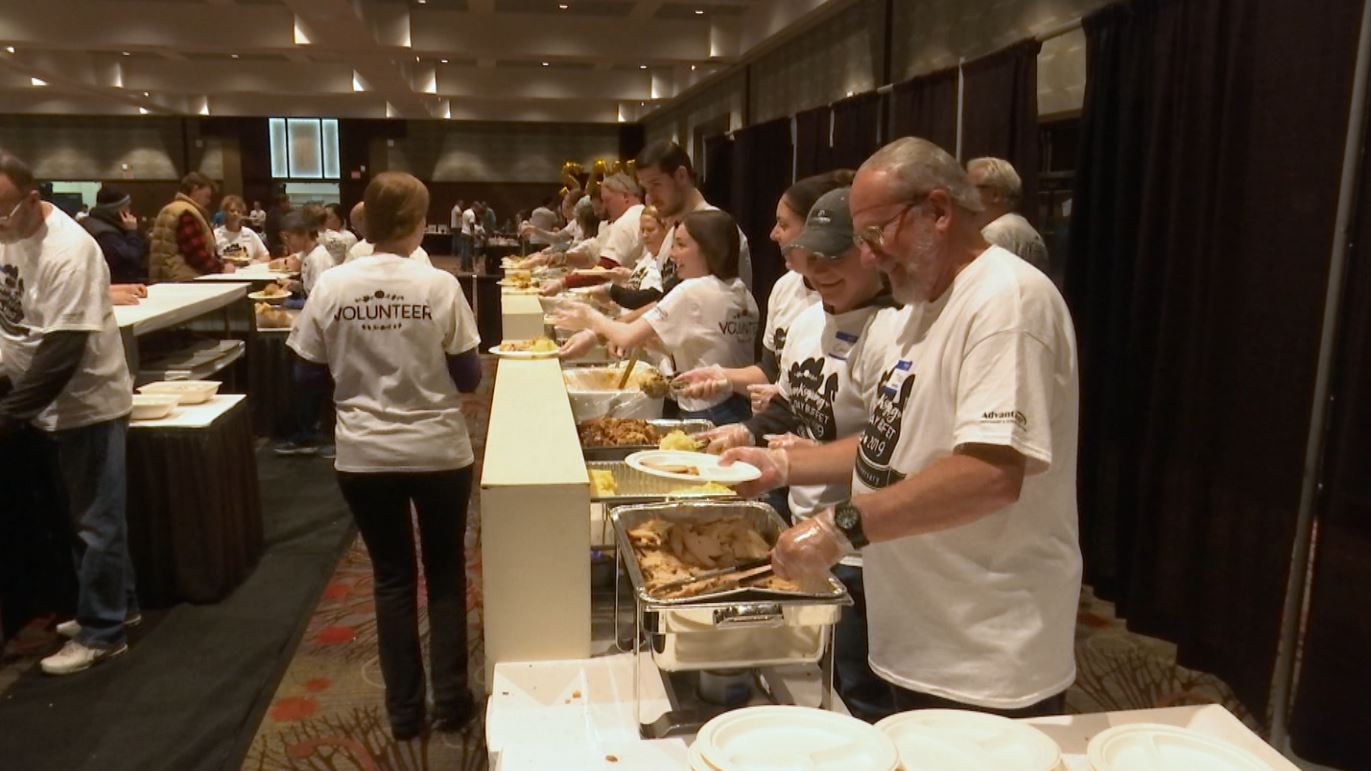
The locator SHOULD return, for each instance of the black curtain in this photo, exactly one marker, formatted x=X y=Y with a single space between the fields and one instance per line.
x=812 y=152
x=926 y=107
x=1000 y=113
x=1204 y=206
x=1331 y=711
x=762 y=156
x=856 y=129
x=717 y=185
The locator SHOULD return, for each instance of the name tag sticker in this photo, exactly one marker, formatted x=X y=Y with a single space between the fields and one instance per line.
x=897 y=377
x=842 y=345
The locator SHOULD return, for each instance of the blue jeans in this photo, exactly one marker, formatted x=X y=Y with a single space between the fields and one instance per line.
x=465 y=245
x=90 y=468
x=734 y=409
x=866 y=695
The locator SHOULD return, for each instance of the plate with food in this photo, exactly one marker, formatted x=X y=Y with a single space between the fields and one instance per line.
x=272 y=294
x=691 y=467
x=539 y=348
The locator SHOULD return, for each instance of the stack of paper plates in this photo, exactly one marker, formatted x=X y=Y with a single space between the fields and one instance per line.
x=958 y=740
x=785 y=738
x=1153 y=747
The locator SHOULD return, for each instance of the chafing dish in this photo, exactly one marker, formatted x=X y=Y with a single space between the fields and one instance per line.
x=663 y=427
x=744 y=627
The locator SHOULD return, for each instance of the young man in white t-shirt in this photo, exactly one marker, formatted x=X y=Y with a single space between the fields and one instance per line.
x=964 y=479
x=62 y=355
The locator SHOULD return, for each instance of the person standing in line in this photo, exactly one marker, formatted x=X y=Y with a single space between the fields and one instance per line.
x=232 y=238
x=468 y=239
x=115 y=228
x=1001 y=194
x=64 y=362
x=257 y=218
x=455 y=227
x=400 y=342
x=182 y=239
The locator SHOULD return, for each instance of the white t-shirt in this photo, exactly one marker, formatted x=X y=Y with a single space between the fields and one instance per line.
x=790 y=296
x=58 y=281
x=1013 y=233
x=984 y=613
x=621 y=241
x=338 y=242
x=667 y=269
x=706 y=321
x=257 y=218
x=313 y=265
x=365 y=248
x=244 y=243
x=816 y=380
x=469 y=222
x=385 y=325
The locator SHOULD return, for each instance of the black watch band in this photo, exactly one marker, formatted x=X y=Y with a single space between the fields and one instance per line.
x=848 y=520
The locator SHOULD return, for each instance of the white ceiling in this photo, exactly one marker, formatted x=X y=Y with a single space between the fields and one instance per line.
x=522 y=60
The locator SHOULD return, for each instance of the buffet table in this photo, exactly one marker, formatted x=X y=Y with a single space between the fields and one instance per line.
x=194 y=507
x=170 y=305
x=256 y=273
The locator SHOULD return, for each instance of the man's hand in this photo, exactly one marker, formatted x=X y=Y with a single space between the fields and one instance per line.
x=230 y=267
x=578 y=344
x=809 y=548
x=787 y=441
x=618 y=276
x=127 y=294
x=573 y=316
x=701 y=382
x=760 y=396
x=127 y=220
x=551 y=287
x=717 y=440
x=774 y=465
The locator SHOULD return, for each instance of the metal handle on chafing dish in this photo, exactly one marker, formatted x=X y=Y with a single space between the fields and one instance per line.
x=764 y=615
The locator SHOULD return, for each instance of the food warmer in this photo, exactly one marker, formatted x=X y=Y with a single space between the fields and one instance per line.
x=717 y=633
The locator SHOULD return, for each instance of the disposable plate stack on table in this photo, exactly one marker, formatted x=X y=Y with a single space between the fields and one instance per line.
x=771 y=738
x=1156 y=747
x=961 y=740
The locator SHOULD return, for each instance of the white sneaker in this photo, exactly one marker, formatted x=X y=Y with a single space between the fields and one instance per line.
x=69 y=629
x=76 y=656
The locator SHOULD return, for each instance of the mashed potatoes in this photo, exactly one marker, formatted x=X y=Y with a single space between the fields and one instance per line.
x=602 y=483
x=678 y=440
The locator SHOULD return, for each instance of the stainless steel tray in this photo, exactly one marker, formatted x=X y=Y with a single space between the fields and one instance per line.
x=664 y=427
x=636 y=487
x=767 y=522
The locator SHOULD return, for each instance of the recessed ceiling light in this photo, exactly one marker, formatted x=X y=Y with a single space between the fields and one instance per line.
x=692 y=68
x=642 y=66
x=146 y=94
x=699 y=12
x=9 y=49
x=233 y=56
x=547 y=64
x=416 y=59
x=142 y=111
x=563 y=6
x=126 y=53
x=444 y=61
x=38 y=81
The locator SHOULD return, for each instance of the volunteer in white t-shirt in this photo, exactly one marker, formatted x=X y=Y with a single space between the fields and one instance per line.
x=302 y=239
x=790 y=295
x=400 y=342
x=709 y=318
x=364 y=248
x=335 y=237
x=820 y=401
x=232 y=238
x=964 y=479
x=63 y=358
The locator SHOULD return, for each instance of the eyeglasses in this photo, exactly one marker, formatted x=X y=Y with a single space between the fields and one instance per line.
x=873 y=236
x=5 y=220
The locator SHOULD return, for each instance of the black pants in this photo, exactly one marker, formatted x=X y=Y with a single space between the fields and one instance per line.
x=380 y=504
x=906 y=700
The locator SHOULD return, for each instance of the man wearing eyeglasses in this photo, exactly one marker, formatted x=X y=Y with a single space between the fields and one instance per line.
x=963 y=481
x=62 y=356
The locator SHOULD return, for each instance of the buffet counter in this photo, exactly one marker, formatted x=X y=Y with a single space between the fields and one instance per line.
x=171 y=305
x=535 y=496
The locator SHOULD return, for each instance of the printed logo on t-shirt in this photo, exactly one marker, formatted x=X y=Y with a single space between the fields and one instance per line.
x=12 y=301
x=739 y=324
x=778 y=339
x=382 y=310
x=1015 y=417
x=811 y=398
x=882 y=432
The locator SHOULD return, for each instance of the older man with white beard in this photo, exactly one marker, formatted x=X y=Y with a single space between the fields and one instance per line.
x=963 y=482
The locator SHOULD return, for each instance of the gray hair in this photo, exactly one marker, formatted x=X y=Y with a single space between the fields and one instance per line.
x=998 y=175
x=917 y=167
x=623 y=183
x=18 y=172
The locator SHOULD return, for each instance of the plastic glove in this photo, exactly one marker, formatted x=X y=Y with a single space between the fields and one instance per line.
x=619 y=275
x=726 y=438
x=809 y=548
x=787 y=441
x=774 y=465
x=573 y=316
x=551 y=287
x=617 y=351
x=701 y=382
x=578 y=344
x=760 y=396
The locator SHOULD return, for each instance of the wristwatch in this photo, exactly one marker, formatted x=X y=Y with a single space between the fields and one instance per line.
x=849 y=522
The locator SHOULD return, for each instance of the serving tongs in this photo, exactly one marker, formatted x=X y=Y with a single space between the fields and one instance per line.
x=745 y=570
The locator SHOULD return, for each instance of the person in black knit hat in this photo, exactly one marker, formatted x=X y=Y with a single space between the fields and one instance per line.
x=114 y=226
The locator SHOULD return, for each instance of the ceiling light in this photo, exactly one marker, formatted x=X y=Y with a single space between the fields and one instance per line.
x=642 y=66
x=416 y=59
x=547 y=64
x=563 y=6
x=142 y=111
x=698 y=11
x=692 y=68
x=233 y=56
x=146 y=94
x=9 y=49
x=38 y=81
x=444 y=61
x=126 y=53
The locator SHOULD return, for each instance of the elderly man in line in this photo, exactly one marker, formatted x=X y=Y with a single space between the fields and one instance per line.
x=1001 y=194
x=964 y=480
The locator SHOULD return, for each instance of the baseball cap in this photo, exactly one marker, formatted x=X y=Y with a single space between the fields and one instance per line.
x=828 y=228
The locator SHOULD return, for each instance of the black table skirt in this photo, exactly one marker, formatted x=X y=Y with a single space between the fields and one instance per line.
x=195 y=510
x=269 y=383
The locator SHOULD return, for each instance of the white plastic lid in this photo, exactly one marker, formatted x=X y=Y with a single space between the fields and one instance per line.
x=789 y=738
x=961 y=740
x=1153 y=747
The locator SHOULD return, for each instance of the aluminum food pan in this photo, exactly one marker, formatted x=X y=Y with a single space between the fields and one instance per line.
x=762 y=516
x=664 y=427
x=635 y=486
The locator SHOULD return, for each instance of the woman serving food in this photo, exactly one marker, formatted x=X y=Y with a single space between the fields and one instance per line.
x=710 y=318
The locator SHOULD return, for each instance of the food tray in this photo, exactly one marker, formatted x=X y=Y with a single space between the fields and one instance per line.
x=637 y=487
x=762 y=516
x=664 y=426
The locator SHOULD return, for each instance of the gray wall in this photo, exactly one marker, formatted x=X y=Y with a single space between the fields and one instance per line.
x=498 y=152
x=77 y=148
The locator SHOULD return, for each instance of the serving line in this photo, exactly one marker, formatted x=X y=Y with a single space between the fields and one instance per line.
x=169 y=305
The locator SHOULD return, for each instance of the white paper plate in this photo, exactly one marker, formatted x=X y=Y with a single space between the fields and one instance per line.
x=710 y=470
x=511 y=283
x=1155 y=747
x=500 y=351
x=788 y=738
x=961 y=740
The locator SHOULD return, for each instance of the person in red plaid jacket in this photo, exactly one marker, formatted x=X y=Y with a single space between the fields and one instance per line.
x=182 y=239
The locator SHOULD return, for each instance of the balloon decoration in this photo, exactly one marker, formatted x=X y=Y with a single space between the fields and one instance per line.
x=598 y=172
x=573 y=173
